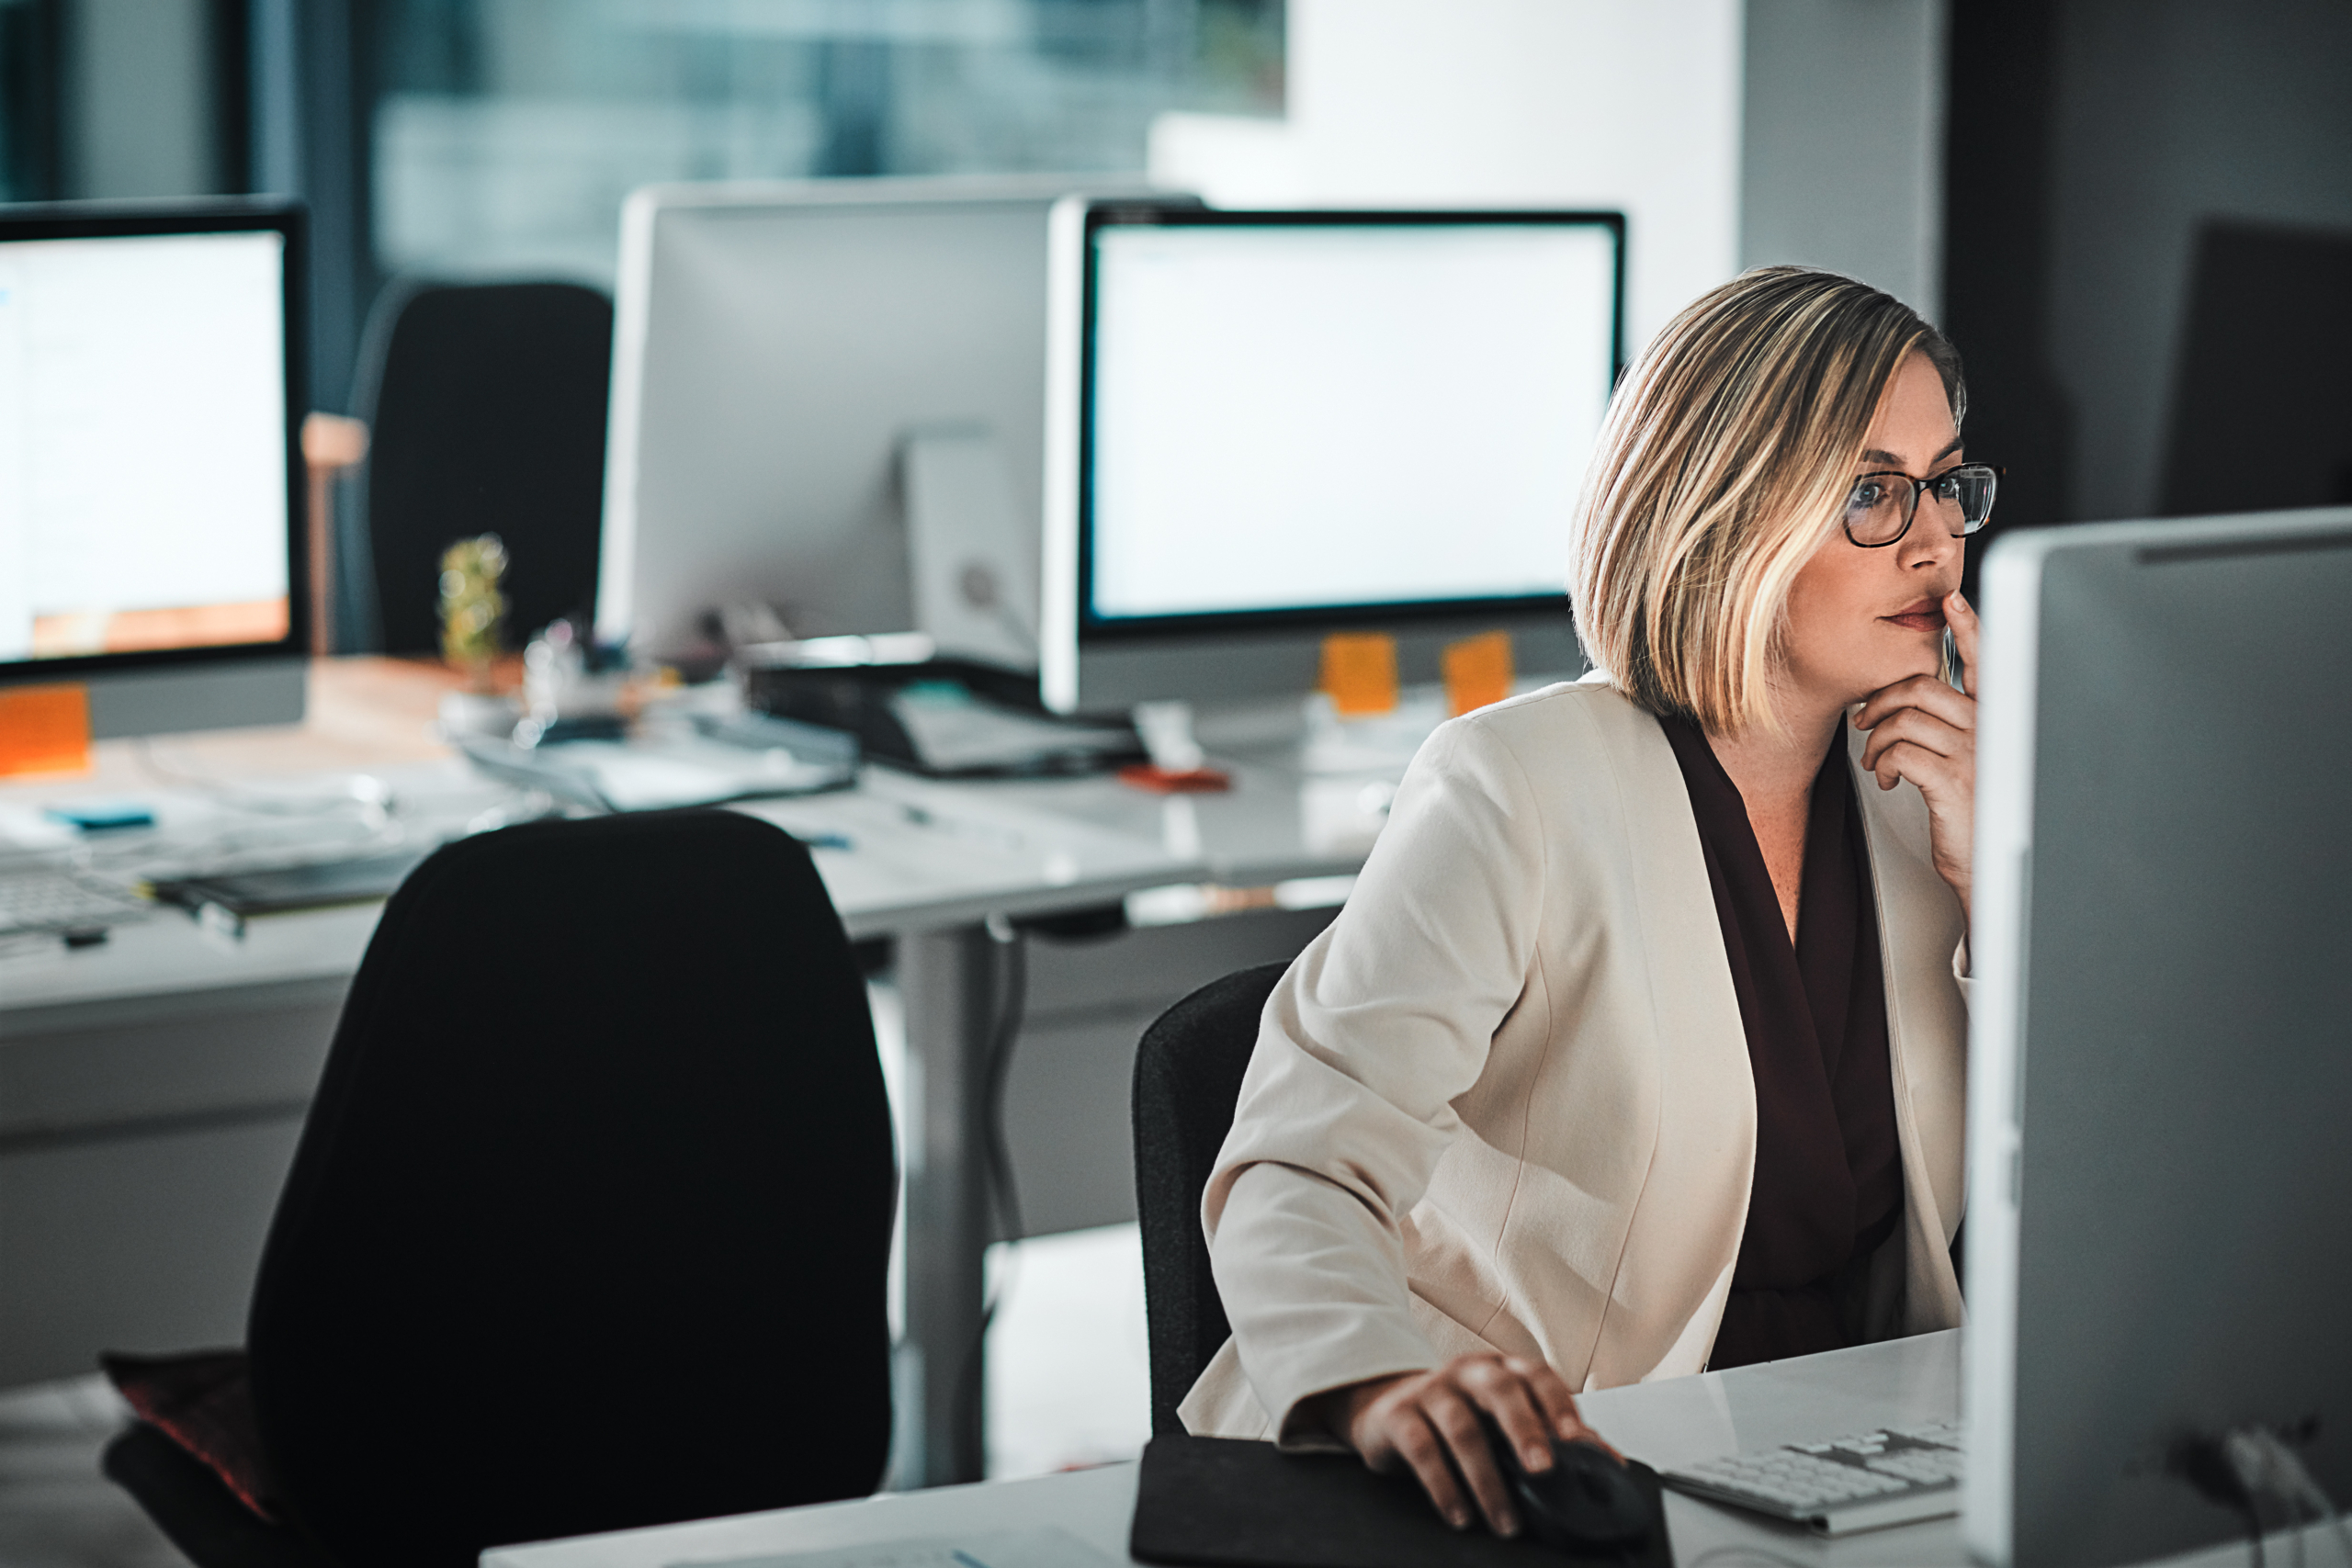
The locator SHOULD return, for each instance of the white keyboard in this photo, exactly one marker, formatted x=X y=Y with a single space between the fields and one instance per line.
x=42 y=899
x=1856 y=1483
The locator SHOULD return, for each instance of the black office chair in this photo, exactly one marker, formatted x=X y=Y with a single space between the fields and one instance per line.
x=589 y=1224
x=486 y=406
x=1188 y=1077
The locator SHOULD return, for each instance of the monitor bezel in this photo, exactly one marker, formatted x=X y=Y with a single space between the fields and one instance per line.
x=1101 y=629
x=289 y=219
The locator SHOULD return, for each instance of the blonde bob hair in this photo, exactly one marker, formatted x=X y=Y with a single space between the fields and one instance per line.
x=1726 y=456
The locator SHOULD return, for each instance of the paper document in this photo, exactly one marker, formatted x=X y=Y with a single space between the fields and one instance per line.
x=953 y=730
x=1041 y=1547
x=672 y=771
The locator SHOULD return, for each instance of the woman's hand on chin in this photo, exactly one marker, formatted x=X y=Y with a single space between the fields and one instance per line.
x=1427 y=1423
x=1923 y=731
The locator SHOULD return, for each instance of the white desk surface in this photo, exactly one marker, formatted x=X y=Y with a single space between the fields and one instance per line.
x=921 y=854
x=1676 y=1422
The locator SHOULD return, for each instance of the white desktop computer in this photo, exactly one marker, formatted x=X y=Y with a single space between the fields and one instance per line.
x=150 y=474
x=1267 y=426
x=2159 y=1228
x=827 y=402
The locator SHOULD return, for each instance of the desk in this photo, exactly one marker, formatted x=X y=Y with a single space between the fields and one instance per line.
x=151 y=1089
x=1675 y=1422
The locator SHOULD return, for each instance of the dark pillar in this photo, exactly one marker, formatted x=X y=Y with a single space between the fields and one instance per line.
x=1999 y=191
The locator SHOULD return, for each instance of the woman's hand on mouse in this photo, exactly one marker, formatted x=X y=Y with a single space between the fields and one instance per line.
x=1429 y=1422
x=1922 y=730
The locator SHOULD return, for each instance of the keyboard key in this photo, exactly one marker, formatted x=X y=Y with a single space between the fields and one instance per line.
x=1816 y=1479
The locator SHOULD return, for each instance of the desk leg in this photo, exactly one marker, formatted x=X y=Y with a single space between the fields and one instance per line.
x=947 y=980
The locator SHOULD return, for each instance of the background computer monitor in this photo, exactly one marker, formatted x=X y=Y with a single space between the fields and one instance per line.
x=1268 y=427
x=151 y=471
x=776 y=345
x=2159 y=1240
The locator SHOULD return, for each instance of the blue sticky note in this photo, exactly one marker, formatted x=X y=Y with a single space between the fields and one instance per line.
x=102 y=815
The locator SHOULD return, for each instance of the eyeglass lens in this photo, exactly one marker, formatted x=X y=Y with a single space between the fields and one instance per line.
x=1878 y=507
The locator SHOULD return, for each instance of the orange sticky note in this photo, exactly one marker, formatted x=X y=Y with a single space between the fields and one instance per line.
x=1478 y=671
x=44 y=730
x=1359 y=673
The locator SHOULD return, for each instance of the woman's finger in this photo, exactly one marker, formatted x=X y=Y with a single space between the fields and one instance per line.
x=1924 y=693
x=1960 y=616
x=1451 y=1412
x=1902 y=759
x=1559 y=1403
x=1410 y=1440
x=1502 y=1392
x=1553 y=1396
x=1922 y=729
x=1934 y=774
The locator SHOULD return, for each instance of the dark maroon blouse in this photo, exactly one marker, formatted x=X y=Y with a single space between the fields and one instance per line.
x=1828 y=1184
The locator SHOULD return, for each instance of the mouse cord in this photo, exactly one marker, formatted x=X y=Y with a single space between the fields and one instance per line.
x=369 y=796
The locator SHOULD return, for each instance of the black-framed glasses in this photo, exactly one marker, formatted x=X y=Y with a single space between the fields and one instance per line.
x=1881 y=506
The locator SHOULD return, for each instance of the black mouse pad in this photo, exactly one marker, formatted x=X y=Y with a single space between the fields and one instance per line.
x=1228 y=1503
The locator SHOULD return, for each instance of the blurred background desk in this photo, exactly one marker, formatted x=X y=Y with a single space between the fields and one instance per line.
x=152 y=1088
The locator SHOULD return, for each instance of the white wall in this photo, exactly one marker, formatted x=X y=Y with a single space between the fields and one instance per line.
x=1842 y=141
x=1625 y=104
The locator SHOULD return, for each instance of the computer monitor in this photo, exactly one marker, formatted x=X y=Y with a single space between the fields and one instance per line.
x=1268 y=427
x=2159 y=1225
x=777 y=347
x=151 y=467
x=2259 y=417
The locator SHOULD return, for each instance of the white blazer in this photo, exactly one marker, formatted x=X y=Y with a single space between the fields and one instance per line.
x=1503 y=1102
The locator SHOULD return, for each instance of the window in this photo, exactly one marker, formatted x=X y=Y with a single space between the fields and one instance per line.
x=505 y=132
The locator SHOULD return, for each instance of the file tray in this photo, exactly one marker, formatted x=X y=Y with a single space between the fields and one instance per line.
x=1223 y=1503
x=943 y=717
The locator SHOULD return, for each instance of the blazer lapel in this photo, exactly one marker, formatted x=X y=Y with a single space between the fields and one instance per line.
x=1921 y=926
x=1693 y=1208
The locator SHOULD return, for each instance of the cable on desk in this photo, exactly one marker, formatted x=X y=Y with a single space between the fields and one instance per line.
x=369 y=793
x=2255 y=1472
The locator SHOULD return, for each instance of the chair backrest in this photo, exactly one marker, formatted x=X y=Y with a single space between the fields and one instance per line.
x=590 y=1223
x=1188 y=1075
x=487 y=407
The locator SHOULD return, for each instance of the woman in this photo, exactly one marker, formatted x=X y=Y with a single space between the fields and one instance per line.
x=1639 y=1047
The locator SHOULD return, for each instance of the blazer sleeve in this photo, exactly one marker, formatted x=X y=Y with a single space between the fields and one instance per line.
x=1346 y=1109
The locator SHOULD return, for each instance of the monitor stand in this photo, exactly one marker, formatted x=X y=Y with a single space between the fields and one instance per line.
x=215 y=694
x=974 y=566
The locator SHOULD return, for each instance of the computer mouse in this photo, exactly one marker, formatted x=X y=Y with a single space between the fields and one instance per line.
x=1587 y=1501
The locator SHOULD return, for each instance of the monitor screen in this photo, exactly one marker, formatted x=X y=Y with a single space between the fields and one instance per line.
x=144 y=490
x=1289 y=418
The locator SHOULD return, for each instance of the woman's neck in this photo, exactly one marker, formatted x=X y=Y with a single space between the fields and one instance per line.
x=1774 y=774
x=1769 y=768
